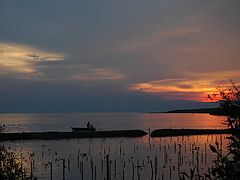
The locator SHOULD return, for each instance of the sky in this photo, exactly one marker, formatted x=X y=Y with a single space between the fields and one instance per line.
x=111 y=55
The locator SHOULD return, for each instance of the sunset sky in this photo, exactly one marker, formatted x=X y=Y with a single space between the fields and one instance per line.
x=115 y=55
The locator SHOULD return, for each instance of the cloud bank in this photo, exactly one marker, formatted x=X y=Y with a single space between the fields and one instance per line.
x=18 y=58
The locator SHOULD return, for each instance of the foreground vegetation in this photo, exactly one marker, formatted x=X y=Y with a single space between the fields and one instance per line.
x=228 y=166
x=10 y=168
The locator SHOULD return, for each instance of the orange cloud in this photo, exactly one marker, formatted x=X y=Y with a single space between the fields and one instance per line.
x=196 y=87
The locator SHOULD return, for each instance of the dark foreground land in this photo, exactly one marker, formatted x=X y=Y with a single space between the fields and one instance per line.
x=188 y=132
x=211 y=111
x=201 y=110
x=70 y=135
x=105 y=134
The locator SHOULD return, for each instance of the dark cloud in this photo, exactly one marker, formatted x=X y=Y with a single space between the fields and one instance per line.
x=109 y=46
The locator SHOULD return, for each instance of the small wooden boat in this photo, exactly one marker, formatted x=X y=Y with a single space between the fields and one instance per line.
x=83 y=129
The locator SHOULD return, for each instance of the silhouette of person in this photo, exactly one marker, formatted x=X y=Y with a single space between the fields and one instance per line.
x=88 y=125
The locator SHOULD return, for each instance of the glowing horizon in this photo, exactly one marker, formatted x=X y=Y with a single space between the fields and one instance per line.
x=196 y=88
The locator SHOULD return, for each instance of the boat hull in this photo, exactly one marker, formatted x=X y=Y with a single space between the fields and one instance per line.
x=83 y=129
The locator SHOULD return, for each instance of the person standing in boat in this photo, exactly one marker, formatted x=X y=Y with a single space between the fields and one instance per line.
x=88 y=124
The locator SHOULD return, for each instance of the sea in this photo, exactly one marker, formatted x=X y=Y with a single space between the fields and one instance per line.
x=114 y=158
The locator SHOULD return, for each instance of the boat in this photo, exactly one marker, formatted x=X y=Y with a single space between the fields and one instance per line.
x=83 y=129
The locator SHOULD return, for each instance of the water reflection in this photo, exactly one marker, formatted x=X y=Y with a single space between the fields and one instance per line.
x=165 y=120
x=129 y=158
x=107 y=121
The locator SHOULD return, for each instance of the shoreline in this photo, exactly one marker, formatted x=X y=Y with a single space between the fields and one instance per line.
x=188 y=132
x=70 y=135
x=109 y=134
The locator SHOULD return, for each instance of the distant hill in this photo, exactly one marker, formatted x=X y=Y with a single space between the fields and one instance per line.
x=212 y=111
x=201 y=110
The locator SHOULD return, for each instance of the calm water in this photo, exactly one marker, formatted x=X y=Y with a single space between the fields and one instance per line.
x=105 y=121
x=130 y=158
